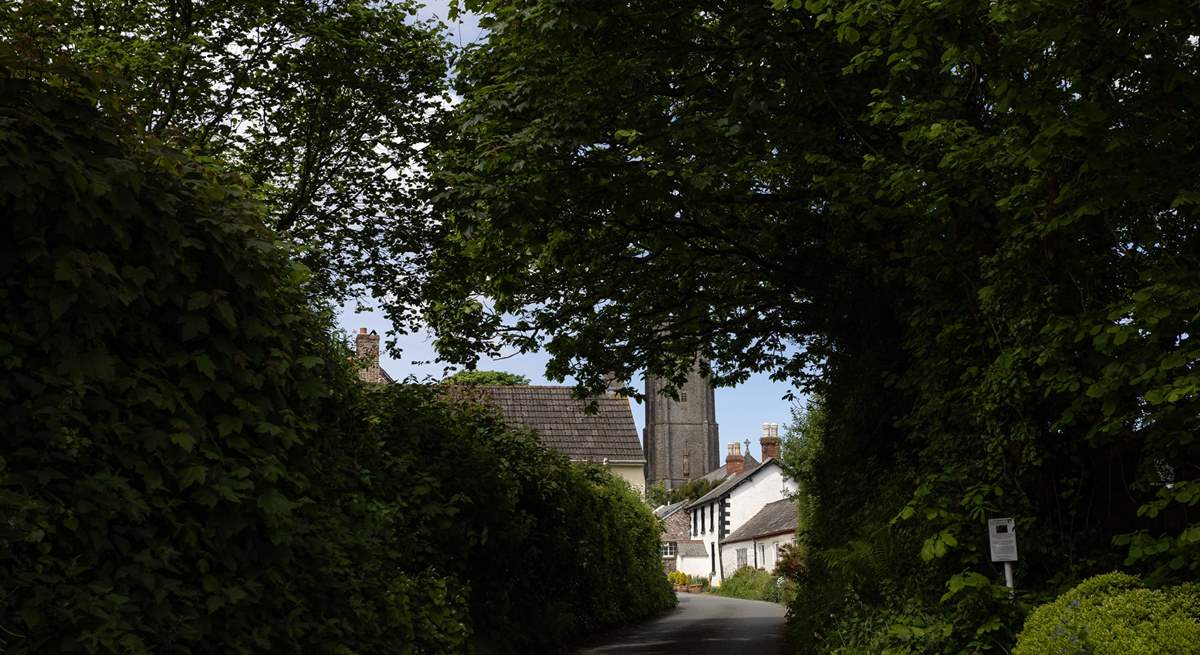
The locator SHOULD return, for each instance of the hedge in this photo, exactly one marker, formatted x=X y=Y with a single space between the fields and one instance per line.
x=1114 y=614
x=190 y=466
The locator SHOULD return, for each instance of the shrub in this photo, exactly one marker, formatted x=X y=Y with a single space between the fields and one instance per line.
x=677 y=577
x=1113 y=614
x=754 y=584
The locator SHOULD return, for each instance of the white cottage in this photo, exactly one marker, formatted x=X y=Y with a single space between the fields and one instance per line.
x=721 y=513
x=760 y=541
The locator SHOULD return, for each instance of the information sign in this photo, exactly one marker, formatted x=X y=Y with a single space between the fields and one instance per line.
x=1002 y=536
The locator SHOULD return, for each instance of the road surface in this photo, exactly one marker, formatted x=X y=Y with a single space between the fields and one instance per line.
x=702 y=624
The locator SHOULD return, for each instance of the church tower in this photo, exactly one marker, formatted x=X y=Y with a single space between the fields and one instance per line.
x=680 y=435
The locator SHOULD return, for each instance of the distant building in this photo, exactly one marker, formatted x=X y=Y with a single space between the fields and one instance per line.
x=760 y=540
x=608 y=437
x=681 y=435
x=749 y=509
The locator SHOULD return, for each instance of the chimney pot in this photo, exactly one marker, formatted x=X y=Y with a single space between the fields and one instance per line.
x=366 y=350
x=734 y=462
x=770 y=441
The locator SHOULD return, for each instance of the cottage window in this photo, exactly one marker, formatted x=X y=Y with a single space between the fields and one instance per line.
x=669 y=549
x=741 y=557
x=695 y=524
x=701 y=520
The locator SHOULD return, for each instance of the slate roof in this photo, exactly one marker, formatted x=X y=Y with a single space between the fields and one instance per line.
x=667 y=510
x=774 y=518
x=562 y=424
x=691 y=549
x=732 y=482
x=719 y=473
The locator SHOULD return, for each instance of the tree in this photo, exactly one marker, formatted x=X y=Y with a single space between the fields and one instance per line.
x=970 y=227
x=487 y=378
x=323 y=105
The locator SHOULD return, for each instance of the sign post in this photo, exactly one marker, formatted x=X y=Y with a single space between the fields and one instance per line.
x=1002 y=537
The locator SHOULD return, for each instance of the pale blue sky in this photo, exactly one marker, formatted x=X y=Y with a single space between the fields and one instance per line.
x=741 y=410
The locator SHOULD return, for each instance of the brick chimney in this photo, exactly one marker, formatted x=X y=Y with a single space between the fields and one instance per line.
x=366 y=351
x=769 y=441
x=734 y=462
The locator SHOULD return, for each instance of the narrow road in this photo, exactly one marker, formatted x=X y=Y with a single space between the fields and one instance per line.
x=702 y=624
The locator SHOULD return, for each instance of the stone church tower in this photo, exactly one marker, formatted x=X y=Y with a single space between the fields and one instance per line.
x=681 y=435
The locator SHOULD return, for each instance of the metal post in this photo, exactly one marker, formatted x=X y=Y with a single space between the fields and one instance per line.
x=1008 y=576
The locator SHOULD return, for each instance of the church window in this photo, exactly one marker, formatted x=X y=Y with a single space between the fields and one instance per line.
x=682 y=396
x=741 y=557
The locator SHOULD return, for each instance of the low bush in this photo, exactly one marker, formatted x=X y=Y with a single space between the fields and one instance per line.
x=677 y=577
x=755 y=584
x=1113 y=614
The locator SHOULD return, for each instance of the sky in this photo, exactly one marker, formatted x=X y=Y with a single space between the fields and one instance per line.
x=741 y=410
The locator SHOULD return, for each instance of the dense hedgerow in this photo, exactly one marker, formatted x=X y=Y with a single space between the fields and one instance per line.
x=521 y=526
x=189 y=464
x=1113 y=614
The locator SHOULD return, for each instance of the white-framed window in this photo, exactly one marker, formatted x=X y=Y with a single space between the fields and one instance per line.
x=762 y=555
x=669 y=548
x=741 y=557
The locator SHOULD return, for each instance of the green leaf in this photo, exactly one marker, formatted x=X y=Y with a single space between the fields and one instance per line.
x=274 y=503
x=192 y=475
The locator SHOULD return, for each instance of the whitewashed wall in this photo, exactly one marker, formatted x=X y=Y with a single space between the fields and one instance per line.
x=767 y=486
x=697 y=566
x=766 y=549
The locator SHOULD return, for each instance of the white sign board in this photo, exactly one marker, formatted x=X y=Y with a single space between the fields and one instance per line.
x=1002 y=536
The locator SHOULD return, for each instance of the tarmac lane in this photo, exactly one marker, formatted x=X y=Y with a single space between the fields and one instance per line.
x=700 y=625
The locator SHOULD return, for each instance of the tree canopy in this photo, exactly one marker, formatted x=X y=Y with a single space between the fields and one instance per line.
x=969 y=226
x=487 y=378
x=323 y=105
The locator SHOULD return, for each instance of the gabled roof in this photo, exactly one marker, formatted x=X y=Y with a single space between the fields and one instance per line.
x=719 y=473
x=732 y=482
x=667 y=510
x=562 y=423
x=774 y=518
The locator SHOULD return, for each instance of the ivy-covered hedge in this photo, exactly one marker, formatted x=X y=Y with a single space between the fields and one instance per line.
x=1114 y=614
x=189 y=465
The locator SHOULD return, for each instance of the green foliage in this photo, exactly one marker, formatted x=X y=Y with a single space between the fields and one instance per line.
x=1113 y=614
x=694 y=489
x=486 y=378
x=322 y=104
x=755 y=584
x=498 y=513
x=191 y=466
x=179 y=472
x=677 y=577
x=969 y=227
